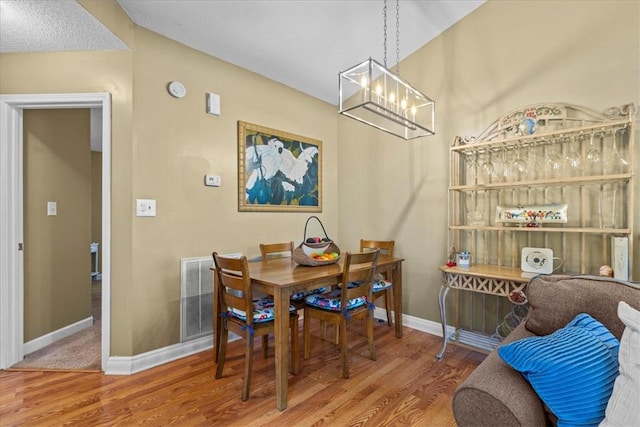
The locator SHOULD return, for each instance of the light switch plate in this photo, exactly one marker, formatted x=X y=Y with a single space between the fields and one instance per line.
x=52 y=209
x=145 y=207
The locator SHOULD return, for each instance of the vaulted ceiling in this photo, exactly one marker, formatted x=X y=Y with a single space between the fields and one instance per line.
x=303 y=44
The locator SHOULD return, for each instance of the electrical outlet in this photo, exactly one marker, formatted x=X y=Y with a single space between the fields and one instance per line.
x=212 y=180
x=145 y=207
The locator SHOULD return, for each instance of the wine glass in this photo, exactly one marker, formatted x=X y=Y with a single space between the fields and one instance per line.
x=615 y=163
x=504 y=168
x=593 y=156
x=487 y=169
x=571 y=157
x=519 y=166
x=553 y=163
x=472 y=168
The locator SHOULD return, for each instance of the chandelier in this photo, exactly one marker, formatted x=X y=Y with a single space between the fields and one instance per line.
x=372 y=94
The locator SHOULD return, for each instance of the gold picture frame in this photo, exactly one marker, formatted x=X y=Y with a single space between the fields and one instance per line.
x=278 y=171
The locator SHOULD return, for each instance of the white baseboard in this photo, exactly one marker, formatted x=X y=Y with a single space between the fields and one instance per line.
x=423 y=325
x=122 y=365
x=51 y=337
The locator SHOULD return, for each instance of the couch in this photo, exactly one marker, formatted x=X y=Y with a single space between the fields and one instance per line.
x=495 y=394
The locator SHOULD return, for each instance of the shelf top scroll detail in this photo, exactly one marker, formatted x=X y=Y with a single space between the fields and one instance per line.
x=546 y=119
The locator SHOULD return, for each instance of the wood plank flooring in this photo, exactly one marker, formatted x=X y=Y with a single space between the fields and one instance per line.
x=406 y=386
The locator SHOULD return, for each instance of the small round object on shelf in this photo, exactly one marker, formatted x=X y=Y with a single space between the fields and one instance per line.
x=527 y=126
x=606 y=271
x=177 y=89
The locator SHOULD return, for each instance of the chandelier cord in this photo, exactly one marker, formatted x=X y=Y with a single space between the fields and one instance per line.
x=384 y=15
x=398 y=37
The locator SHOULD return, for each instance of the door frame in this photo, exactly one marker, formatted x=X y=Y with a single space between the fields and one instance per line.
x=11 y=214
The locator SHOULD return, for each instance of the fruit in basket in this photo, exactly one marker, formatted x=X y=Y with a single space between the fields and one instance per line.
x=318 y=256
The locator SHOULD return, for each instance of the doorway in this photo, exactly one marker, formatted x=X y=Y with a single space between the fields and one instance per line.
x=11 y=216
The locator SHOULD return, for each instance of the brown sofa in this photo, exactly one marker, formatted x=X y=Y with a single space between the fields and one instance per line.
x=497 y=395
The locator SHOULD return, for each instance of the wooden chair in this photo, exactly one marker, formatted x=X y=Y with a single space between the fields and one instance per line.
x=345 y=303
x=382 y=288
x=235 y=296
x=268 y=250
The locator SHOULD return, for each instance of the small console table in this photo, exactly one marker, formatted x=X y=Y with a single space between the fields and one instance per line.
x=486 y=279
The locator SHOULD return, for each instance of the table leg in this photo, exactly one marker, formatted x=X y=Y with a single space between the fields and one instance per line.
x=281 y=301
x=442 y=299
x=217 y=325
x=397 y=298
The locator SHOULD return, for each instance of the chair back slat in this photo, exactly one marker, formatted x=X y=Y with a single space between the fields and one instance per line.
x=281 y=249
x=234 y=284
x=385 y=246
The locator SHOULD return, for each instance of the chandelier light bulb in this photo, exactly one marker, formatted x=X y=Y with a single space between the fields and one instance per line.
x=364 y=82
x=403 y=104
x=379 y=89
x=392 y=97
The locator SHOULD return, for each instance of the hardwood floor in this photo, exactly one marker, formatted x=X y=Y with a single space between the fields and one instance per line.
x=406 y=386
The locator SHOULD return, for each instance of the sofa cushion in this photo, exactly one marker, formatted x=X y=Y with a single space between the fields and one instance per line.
x=572 y=370
x=623 y=408
x=556 y=299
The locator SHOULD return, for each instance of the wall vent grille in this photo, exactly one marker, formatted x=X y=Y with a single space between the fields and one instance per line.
x=196 y=298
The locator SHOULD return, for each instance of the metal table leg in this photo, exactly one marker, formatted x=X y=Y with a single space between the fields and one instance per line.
x=442 y=299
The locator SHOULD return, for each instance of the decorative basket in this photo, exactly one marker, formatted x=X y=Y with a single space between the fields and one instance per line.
x=302 y=254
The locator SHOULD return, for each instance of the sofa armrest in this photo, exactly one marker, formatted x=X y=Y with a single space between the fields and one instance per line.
x=497 y=395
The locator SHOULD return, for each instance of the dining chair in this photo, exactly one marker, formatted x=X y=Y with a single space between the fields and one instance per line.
x=268 y=250
x=382 y=287
x=274 y=250
x=345 y=303
x=236 y=298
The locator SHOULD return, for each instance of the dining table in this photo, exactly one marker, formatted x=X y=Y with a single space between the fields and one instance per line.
x=282 y=277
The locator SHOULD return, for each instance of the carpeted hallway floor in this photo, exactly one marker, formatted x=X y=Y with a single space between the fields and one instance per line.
x=80 y=351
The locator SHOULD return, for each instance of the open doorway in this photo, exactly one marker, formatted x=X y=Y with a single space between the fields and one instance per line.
x=62 y=167
x=11 y=220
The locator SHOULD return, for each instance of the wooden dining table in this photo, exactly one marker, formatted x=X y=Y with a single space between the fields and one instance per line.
x=282 y=277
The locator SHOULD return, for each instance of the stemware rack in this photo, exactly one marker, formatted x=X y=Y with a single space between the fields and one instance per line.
x=595 y=185
x=544 y=154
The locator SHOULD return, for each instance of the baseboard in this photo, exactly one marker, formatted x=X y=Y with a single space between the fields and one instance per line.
x=423 y=325
x=121 y=365
x=51 y=337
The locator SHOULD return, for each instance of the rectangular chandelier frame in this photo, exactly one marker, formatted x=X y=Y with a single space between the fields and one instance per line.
x=372 y=94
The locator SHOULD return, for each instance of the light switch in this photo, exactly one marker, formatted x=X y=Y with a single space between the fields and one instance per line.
x=52 y=209
x=145 y=207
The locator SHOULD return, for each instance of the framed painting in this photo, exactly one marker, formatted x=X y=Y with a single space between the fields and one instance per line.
x=278 y=171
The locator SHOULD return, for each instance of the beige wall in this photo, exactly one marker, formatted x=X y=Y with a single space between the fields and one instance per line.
x=502 y=56
x=57 y=168
x=176 y=143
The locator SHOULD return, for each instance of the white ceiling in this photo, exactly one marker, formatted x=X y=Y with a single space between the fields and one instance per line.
x=303 y=44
